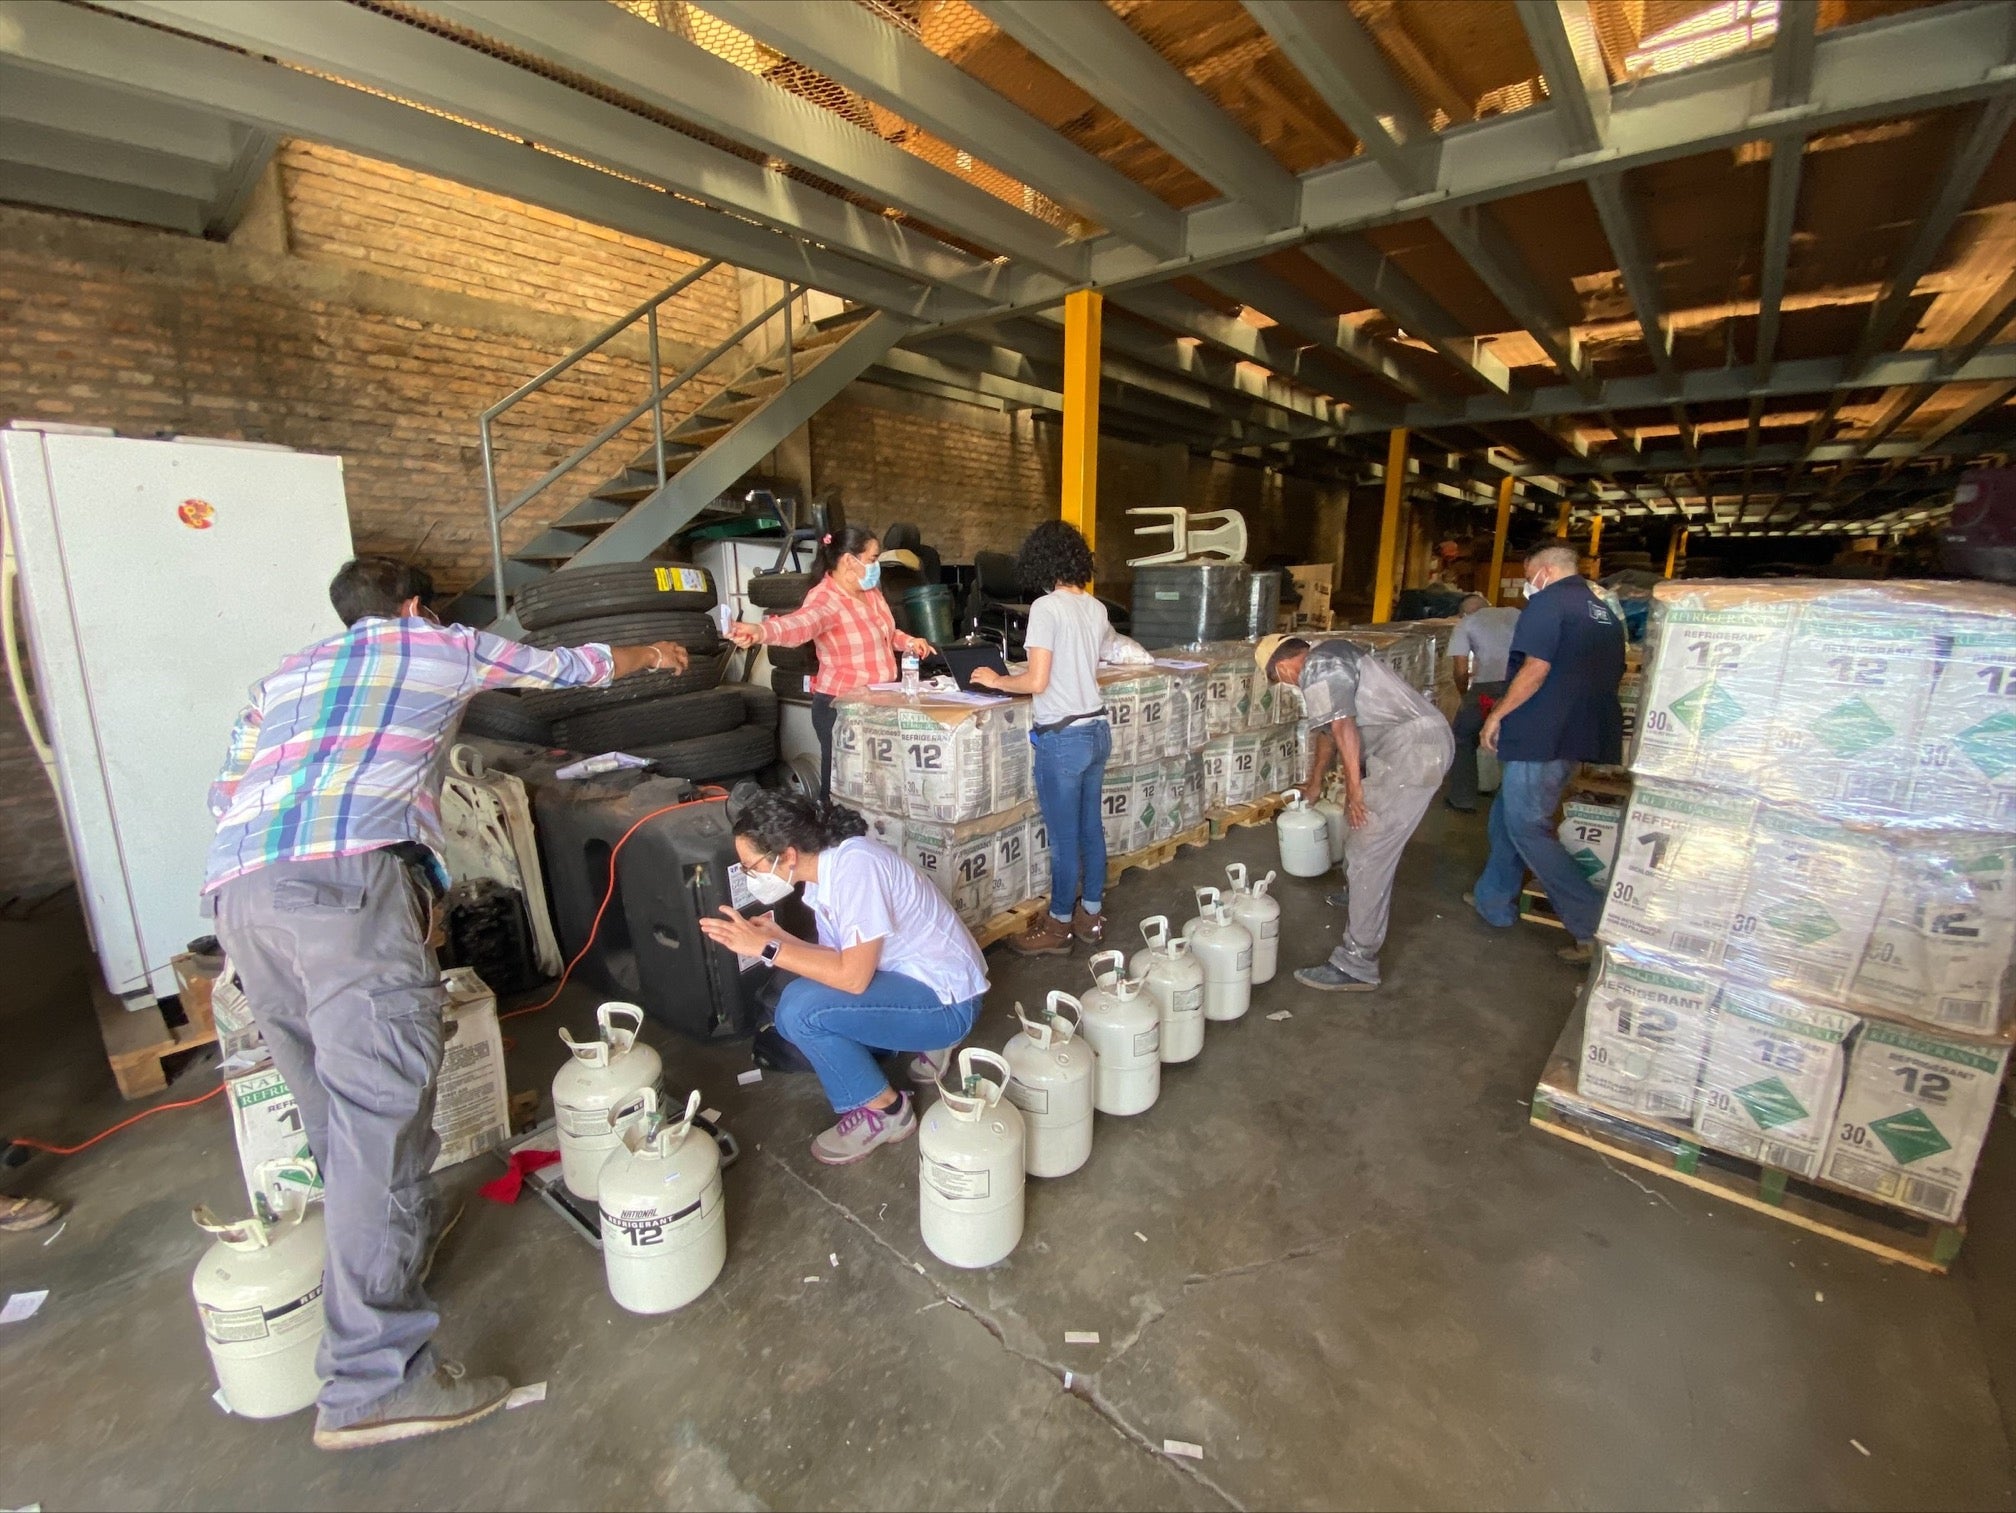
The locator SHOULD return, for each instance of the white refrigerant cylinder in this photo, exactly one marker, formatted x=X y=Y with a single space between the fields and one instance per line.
x=971 y=1176
x=1225 y=951
x=1175 y=984
x=1051 y=1075
x=1305 y=838
x=1123 y=1025
x=664 y=1215
x=1260 y=912
x=258 y=1292
x=600 y=1077
x=1333 y=817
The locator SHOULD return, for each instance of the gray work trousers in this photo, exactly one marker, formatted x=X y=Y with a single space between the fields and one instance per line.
x=1398 y=792
x=334 y=957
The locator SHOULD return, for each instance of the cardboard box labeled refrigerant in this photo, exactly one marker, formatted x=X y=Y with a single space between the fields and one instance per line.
x=1589 y=834
x=1772 y=1078
x=960 y=859
x=1682 y=861
x=1844 y=738
x=471 y=1106
x=1942 y=946
x=1913 y=1117
x=1644 y=1034
x=1712 y=688
x=1967 y=738
x=1813 y=895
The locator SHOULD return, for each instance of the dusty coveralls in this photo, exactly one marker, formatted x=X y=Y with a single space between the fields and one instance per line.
x=1408 y=747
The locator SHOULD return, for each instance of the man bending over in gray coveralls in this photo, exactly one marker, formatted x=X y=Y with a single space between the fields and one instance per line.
x=324 y=873
x=1395 y=746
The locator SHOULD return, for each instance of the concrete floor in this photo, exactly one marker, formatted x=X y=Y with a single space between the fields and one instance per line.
x=1333 y=1255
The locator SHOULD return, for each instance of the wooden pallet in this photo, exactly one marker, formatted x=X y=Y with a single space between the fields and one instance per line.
x=1160 y=854
x=1013 y=922
x=1536 y=907
x=1259 y=812
x=138 y=1041
x=1672 y=1151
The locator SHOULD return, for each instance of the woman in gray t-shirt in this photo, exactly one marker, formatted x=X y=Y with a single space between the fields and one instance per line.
x=1067 y=630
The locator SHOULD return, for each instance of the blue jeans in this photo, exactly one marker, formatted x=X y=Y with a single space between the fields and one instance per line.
x=1523 y=836
x=1070 y=771
x=835 y=1030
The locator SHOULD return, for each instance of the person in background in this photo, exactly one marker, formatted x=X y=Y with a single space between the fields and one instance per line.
x=19 y=1215
x=1395 y=746
x=848 y=622
x=1559 y=711
x=1479 y=645
x=325 y=878
x=1067 y=630
x=894 y=968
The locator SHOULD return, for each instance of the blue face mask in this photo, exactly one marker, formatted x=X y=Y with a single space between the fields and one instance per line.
x=871 y=575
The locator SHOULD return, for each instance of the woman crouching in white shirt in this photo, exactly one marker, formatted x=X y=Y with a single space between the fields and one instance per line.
x=894 y=969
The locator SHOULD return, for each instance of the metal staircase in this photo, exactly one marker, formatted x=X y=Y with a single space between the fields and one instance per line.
x=687 y=465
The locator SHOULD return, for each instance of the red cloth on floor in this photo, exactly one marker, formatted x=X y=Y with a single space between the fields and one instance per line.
x=1485 y=702
x=505 y=1189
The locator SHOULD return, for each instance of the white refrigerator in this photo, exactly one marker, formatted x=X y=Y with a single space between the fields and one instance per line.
x=156 y=582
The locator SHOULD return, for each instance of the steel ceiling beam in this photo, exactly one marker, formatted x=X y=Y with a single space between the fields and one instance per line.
x=885 y=63
x=92 y=157
x=1340 y=60
x=115 y=116
x=383 y=53
x=1482 y=243
x=1281 y=302
x=662 y=69
x=1359 y=263
x=1563 y=37
x=1092 y=47
x=77 y=43
x=32 y=184
x=1730 y=459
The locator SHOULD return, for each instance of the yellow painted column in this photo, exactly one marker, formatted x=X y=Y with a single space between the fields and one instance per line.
x=1081 y=412
x=1567 y=515
x=1674 y=544
x=1389 y=527
x=1596 y=547
x=1493 y=586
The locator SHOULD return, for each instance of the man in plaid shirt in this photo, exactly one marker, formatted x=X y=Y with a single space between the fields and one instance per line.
x=323 y=877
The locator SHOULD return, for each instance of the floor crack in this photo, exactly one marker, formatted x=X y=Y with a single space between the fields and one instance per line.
x=1200 y=1279
x=1082 y=1387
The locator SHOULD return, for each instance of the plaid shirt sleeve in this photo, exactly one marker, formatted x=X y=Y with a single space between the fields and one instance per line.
x=497 y=663
x=802 y=624
x=244 y=743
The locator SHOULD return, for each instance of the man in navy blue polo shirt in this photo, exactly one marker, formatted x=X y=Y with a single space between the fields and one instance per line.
x=1559 y=711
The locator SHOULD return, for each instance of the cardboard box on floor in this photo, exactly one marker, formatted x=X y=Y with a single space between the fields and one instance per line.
x=471 y=1108
x=1772 y=1078
x=1644 y=1035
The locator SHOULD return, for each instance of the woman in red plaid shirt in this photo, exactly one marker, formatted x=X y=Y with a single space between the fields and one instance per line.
x=847 y=620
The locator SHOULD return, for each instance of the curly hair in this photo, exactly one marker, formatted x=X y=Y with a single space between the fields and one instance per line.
x=1053 y=553
x=778 y=821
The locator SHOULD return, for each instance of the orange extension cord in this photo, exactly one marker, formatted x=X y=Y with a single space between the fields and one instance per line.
x=608 y=893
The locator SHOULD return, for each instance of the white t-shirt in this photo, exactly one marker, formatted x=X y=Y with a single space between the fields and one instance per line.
x=867 y=892
x=1486 y=635
x=1072 y=627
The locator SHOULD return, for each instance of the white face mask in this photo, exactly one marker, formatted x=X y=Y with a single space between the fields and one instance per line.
x=768 y=887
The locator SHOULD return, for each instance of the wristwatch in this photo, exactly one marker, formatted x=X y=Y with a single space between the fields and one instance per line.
x=770 y=950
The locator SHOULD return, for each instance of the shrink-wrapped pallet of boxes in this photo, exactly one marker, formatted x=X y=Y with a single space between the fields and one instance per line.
x=1822 y=834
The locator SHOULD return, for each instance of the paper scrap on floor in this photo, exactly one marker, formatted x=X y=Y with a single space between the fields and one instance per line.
x=1184 y=1448
x=534 y=1392
x=755 y=1075
x=1081 y=1336
x=22 y=1305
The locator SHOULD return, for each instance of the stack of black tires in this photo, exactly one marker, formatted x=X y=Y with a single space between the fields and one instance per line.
x=791 y=667
x=685 y=723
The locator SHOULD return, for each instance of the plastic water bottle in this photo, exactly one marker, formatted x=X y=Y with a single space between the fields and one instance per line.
x=910 y=686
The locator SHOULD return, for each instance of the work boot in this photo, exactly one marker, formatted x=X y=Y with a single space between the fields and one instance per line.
x=19 y=1215
x=1089 y=928
x=1049 y=936
x=1577 y=954
x=861 y=1129
x=926 y=1067
x=446 y=1398
x=1339 y=898
x=1325 y=978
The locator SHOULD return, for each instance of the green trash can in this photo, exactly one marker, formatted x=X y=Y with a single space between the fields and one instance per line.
x=929 y=608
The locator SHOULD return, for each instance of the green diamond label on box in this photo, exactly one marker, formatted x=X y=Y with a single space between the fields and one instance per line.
x=1991 y=745
x=1708 y=710
x=1591 y=864
x=1909 y=1136
x=1852 y=728
x=1771 y=1103
x=1805 y=921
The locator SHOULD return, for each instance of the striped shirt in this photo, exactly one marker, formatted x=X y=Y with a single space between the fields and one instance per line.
x=340 y=750
x=853 y=634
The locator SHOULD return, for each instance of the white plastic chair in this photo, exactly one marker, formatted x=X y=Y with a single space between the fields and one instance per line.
x=1223 y=535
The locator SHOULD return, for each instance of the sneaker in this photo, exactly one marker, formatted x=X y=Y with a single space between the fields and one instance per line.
x=1579 y=954
x=861 y=1129
x=19 y=1215
x=447 y=1398
x=1049 y=936
x=1327 y=979
x=453 y=1217
x=1340 y=899
x=1089 y=928
x=926 y=1067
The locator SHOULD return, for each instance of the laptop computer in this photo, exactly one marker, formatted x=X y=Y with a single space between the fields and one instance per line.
x=961 y=661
